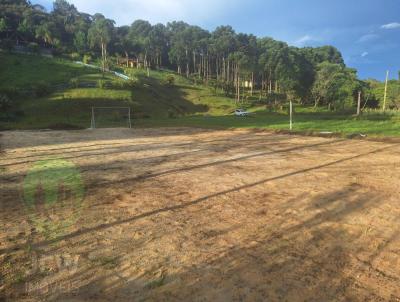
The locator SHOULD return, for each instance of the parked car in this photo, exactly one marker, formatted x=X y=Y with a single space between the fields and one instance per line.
x=241 y=112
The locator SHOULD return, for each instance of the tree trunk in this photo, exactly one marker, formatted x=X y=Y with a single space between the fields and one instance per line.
x=252 y=83
x=223 y=68
x=228 y=72
x=316 y=103
x=262 y=85
x=103 y=56
x=187 y=63
x=194 y=62
x=217 y=68
x=238 y=83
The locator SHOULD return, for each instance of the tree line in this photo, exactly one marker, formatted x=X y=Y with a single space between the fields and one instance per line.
x=241 y=64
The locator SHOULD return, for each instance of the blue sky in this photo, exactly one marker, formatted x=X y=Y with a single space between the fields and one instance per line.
x=367 y=32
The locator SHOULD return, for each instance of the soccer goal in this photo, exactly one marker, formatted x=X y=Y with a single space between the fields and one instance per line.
x=111 y=117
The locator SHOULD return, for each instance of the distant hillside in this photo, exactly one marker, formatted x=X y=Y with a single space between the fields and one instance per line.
x=222 y=55
x=48 y=92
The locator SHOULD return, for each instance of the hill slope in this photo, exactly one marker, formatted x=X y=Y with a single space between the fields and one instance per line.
x=58 y=94
x=46 y=92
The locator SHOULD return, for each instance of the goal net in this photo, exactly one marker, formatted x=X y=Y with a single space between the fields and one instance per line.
x=111 y=117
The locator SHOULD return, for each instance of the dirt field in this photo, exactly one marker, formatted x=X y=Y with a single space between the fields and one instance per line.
x=201 y=215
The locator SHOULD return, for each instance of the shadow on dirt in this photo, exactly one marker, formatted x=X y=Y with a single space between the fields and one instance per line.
x=308 y=259
x=309 y=247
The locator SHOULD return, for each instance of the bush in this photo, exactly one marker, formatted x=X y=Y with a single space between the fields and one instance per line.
x=171 y=113
x=33 y=47
x=7 y=44
x=64 y=126
x=170 y=80
x=75 y=56
x=124 y=84
x=372 y=103
x=117 y=84
x=41 y=89
x=11 y=92
x=57 y=51
x=16 y=62
x=74 y=82
x=5 y=104
x=130 y=72
x=101 y=84
x=87 y=59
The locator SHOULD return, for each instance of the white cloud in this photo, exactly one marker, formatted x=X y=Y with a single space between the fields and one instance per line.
x=364 y=54
x=304 y=40
x=368 y=38
x=393 y=25
x=124 y=12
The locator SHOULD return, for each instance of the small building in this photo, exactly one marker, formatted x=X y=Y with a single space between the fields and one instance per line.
x=127 y=62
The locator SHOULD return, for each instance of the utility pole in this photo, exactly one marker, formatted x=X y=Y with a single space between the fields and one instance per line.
x=386 y=86
x=359 y=103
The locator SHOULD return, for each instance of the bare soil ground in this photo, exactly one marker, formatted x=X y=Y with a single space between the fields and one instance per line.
x=201 y=215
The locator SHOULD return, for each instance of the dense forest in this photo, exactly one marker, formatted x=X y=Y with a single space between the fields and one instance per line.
x=237 y=63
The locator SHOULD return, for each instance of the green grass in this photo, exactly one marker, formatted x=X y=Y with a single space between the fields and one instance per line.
x=22 y=71
x=156 y=104
x=373 y=125
x=150 y=98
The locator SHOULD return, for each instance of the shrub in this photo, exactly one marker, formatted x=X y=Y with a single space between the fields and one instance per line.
x=170 y=80
x=124 y=84
x=87 y=59
x=5 y=104
x=57 y=51
x=372 y=103
x=11 y=92
x=41 y=89
x=74 y=82
x=33 y=47
x=7 y=44
x=101 y=84
x=75 y=56
x=171 y=113
x=64 y=126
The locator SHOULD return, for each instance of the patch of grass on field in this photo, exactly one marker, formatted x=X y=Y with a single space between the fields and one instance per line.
x=156 y=283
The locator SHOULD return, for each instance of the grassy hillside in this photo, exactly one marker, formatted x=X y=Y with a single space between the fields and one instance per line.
x=23 y=71
x=75 y=89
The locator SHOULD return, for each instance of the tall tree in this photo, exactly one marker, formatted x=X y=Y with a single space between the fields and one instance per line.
x=100 y=35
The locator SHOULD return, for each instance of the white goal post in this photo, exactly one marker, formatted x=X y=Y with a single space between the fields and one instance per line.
x=111 y=116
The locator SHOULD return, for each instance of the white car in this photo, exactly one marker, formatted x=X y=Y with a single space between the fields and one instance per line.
x=241 y=112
